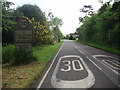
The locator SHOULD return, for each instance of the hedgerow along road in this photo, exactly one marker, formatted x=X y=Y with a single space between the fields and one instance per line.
x=78 y=66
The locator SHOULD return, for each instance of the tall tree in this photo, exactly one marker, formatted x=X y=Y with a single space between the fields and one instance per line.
x=7 y=22
x=31 y=11
x=88 y=9
x=55 y=23
x=102 y=27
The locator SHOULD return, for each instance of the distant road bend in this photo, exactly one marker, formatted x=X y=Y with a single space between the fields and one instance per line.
x=79 y=66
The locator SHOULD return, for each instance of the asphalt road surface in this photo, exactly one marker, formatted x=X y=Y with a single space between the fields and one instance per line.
x=80 y=67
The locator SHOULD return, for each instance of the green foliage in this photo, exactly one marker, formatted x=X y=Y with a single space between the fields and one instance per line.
x=9 y=17
x=109 y=48
x=102 y=27
x=58 y=32
x=7 y=23
x=55 y=23
x=31 y=11
x=25 y=75
x=23 y=58
x=41 y=34
x=8 y=53
x=45 y=52
x=67 y=36
x=71 y=37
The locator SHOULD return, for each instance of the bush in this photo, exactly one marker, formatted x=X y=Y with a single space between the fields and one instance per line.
x=10 y=55
x=23 y=58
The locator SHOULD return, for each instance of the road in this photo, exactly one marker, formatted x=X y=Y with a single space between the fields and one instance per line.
x=79 y=67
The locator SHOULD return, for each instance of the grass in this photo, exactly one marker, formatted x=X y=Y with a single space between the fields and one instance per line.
x=22 y=76
x=110 y=49
x=45 y=53
x=8 y=53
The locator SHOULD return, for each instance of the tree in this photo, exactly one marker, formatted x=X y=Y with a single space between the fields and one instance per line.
x=41 y=34
x=87 y=9
x=7 y=23
x=102 y=27
x=55 y=23
x=58 y=32
x=67 y=36
x=31 y=11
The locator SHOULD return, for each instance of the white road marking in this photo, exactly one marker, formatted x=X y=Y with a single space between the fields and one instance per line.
x=88 y=58
x=41 y=82
x=113 y=62
x=105 y=56
x=117 y=62
x=81 y=52
x=95 y=56
x=118 y=85
x=80 y=65
x=94 y=63
x=83 y=83
x=68 y=65
x=109 y=64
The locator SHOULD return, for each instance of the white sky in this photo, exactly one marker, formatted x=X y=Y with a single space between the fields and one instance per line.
x=67 y=10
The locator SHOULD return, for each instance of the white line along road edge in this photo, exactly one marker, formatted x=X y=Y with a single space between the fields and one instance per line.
x=83 y=83
x=41 y=82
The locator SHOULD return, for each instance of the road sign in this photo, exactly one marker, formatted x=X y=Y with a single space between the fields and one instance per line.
x=23 y=22
x=23 y=47
x=23 y=35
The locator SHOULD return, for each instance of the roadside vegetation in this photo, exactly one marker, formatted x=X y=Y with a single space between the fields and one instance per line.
x=46 y=31
x=23 y=75
x=101 y=29
x=21 y=69
x=107 y=48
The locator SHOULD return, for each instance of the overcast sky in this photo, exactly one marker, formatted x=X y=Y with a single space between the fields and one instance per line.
x=67 y=10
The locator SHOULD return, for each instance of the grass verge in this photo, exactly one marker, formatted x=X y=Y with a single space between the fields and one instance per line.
x=110 y=49
x=22 y=76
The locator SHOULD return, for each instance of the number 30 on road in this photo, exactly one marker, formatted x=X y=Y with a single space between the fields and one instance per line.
x=68 y=64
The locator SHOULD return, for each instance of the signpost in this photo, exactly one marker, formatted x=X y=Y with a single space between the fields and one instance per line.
x=23 y=35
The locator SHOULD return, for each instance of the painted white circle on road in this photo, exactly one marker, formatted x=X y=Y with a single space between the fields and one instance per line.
x=77 y=65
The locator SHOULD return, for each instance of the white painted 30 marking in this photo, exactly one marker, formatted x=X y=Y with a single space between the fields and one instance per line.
x=80 y=65
x=69 y=65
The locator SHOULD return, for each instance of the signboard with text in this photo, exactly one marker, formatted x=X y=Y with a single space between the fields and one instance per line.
x=23 y=47
x=23 y=35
